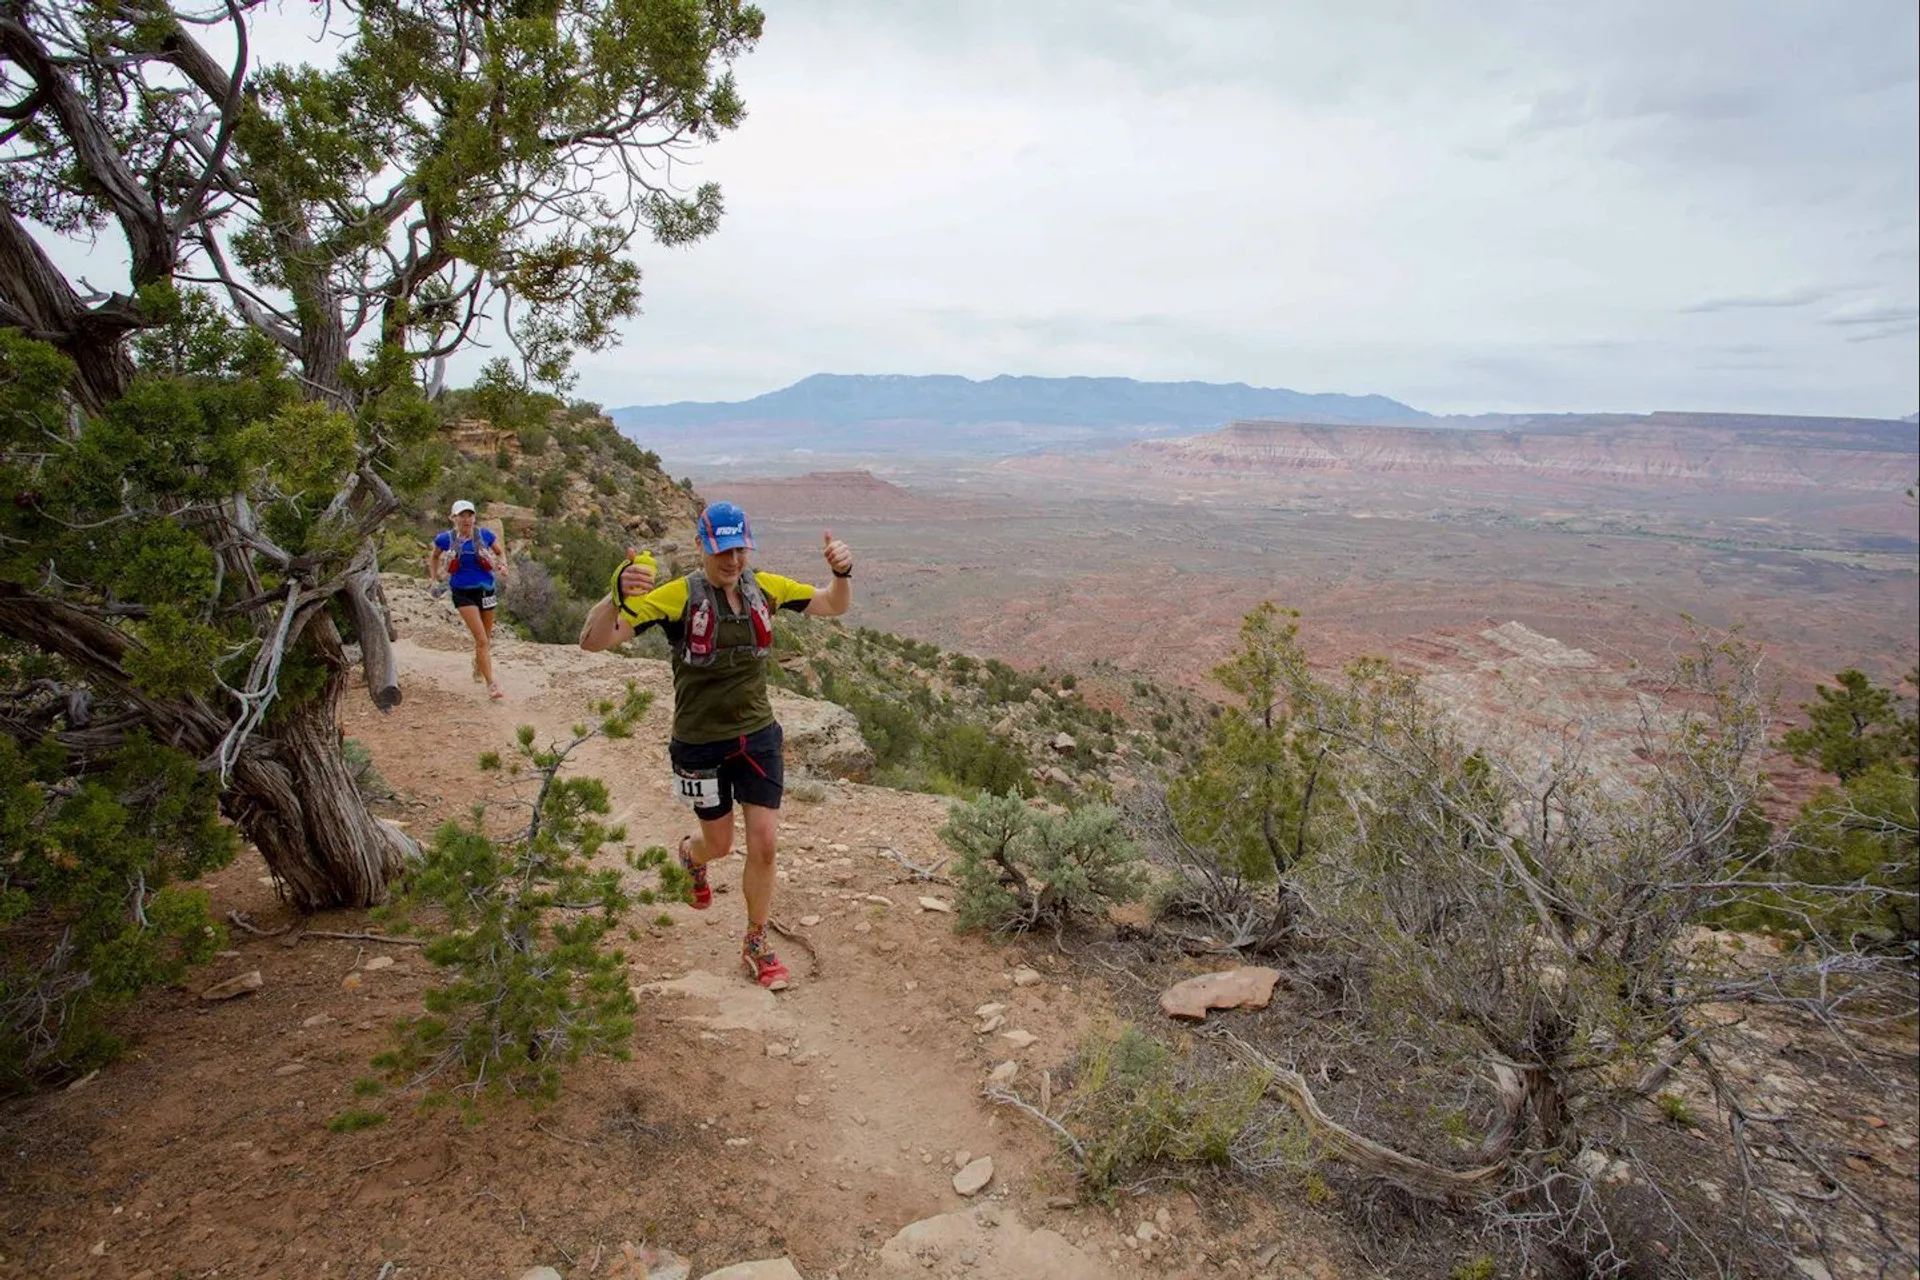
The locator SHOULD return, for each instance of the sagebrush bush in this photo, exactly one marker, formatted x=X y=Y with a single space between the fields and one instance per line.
x=365 y=773
x=1019 y=868
x=1135 y=1105
x=537 y=602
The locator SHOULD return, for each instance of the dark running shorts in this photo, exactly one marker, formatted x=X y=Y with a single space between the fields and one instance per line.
x=473 y=597
x=751 y=768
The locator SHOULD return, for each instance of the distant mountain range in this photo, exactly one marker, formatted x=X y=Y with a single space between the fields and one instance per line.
x=841 y=400
x=948 y=415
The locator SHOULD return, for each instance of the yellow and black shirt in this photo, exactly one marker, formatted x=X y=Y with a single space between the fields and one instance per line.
x=729 y=698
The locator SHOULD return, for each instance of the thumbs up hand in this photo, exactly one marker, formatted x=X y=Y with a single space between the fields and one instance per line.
x=839 y=557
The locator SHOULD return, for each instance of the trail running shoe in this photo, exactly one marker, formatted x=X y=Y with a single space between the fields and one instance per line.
x=702 y=889
x=763 y=964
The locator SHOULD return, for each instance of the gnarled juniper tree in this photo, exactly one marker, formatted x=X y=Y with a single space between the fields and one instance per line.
x=195 y=455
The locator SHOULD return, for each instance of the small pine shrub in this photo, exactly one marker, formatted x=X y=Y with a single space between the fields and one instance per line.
x=528 y=988
x=978 y=760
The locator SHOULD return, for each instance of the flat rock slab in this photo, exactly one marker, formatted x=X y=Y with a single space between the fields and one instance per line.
x=974 y=1177
x=240 y=986
x=995 y=1245
x=768 y=1269
x=732 y=1004
x=1249 y=987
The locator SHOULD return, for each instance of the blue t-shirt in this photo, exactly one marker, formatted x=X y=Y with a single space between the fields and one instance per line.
x=469 y=573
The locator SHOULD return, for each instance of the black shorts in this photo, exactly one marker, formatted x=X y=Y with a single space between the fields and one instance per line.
x=752 y=769
x=473 y=597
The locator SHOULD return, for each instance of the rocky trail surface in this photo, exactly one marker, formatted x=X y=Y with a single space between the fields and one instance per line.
x=826 y=1128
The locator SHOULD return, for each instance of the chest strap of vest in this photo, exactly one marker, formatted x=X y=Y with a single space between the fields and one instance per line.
x=700 y=625
x=481 y=550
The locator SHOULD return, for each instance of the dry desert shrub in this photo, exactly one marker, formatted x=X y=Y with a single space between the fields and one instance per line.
x=1525 y=936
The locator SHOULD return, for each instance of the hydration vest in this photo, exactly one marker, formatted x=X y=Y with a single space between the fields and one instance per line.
x=481 y=551
x=700 y=625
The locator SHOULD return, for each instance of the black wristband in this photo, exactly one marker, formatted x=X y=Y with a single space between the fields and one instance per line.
x=847 y=574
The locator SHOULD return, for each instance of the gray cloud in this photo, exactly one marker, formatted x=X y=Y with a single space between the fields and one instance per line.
x=1871 y=311
x=1788 y=298
x=1899 y=329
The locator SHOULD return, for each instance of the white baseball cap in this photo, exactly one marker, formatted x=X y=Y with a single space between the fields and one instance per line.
x=460 y=506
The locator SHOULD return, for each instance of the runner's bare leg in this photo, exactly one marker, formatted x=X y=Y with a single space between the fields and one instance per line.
x=714 y=841
x=480 y=623
x=756 y=882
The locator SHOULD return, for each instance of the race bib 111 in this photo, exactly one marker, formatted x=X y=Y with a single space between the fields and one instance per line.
x=701 y=790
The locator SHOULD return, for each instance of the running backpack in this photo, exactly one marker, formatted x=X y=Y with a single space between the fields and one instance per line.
x=480 y=548
x=700 y=625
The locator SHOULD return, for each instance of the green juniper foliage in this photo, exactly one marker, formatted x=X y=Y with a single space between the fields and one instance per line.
x=1848 y=871
x=1251 y=795
x=173 y=555
x=90 y=908
x=517 y=926
x=1854 y=726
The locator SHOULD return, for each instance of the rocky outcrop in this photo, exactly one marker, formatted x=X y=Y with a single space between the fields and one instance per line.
x=822 y=738
x=1514 y=689
x=607 y=481
x=480 y=440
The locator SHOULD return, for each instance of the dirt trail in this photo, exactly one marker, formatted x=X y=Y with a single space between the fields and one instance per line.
x=815 y=1123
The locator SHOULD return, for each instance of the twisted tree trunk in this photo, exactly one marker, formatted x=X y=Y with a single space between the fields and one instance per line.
x=289 y=790
x=291 y=794
x=1411 y=1174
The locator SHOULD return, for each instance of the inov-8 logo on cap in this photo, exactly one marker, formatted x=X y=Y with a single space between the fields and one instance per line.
x=722 y=527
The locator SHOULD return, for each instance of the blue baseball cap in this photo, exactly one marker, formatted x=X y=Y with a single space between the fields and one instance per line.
x=723 y=527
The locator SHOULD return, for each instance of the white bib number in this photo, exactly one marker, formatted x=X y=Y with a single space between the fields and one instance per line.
x=699 y=790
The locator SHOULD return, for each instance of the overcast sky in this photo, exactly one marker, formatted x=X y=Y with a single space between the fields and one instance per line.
x=1496 y=206
x=1502 y=205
